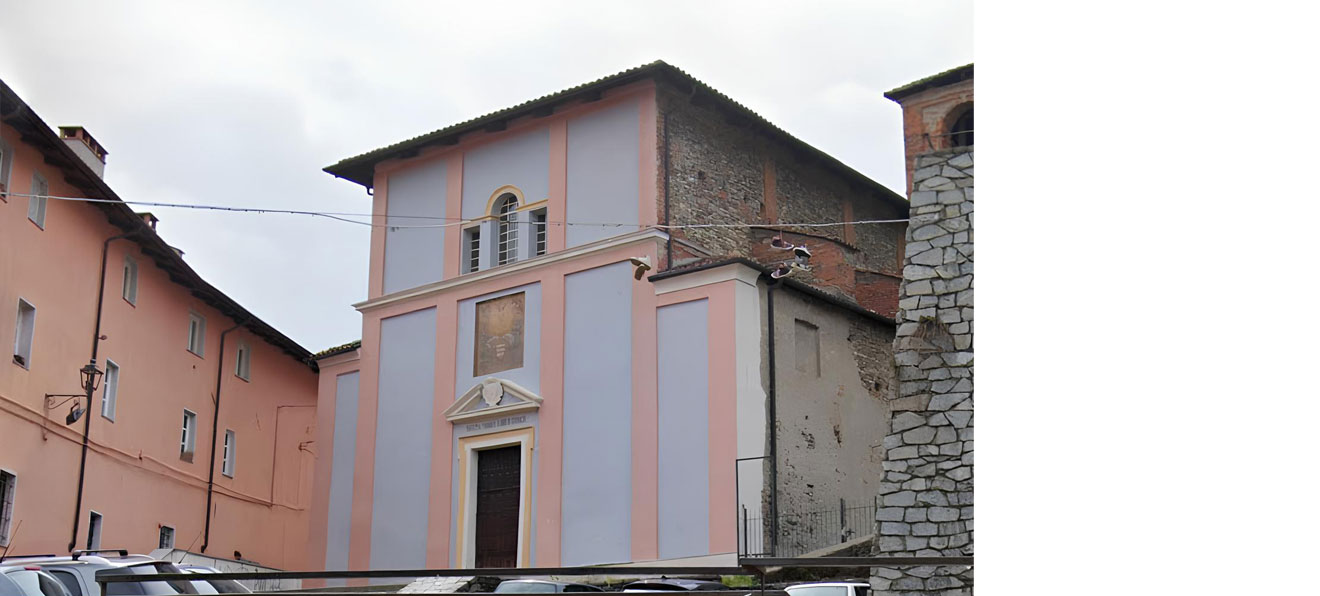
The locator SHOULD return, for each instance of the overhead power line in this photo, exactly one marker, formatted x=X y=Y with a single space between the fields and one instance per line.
x=451 y=221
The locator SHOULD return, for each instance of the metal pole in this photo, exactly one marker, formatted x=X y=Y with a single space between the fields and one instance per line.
x=744 y=548
x=843 y=524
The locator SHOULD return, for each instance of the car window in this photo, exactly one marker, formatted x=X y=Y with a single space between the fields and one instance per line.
x=33 y=583
x=817 y=590
x=519 y=587
x=581 y=588
x=69 y=580
x=145 y=587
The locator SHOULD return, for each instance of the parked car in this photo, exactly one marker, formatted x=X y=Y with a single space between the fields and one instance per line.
x=541 y=586
x=665 y=584
x=29 y=580
x=214 y=586
x=830 y=589
x=78 y=572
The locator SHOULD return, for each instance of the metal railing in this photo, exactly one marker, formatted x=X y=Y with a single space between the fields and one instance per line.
x=755 y=567
x=803 y=532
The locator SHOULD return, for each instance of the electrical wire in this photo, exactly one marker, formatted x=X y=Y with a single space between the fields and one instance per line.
x=452 y=221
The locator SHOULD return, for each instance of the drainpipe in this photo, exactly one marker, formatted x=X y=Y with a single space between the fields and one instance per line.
x=215 y=427
x=774 y=420
x=87 y=418
x=669 y=242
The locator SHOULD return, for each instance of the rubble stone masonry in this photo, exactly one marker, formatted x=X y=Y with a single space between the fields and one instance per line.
x=926 y=494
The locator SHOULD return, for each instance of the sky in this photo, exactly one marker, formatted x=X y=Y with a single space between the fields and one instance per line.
x=243 y=103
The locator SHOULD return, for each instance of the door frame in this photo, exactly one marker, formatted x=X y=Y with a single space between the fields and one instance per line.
x=525 y=438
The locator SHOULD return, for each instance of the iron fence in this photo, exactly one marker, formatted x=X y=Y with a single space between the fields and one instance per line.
x=802 y=532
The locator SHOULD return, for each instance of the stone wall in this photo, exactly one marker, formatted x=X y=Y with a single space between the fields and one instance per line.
x=726 y=172
x=926 y=493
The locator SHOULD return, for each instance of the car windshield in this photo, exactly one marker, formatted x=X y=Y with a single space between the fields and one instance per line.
x=140 y=588
x=817 y=590
x=520 y=587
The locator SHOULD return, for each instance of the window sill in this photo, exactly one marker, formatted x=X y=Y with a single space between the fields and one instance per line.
x=243 y=378
x=40 y=226
x=110 y=418
x=199 y=356
x=186 y=456
x=24 y=365
x=130 y=302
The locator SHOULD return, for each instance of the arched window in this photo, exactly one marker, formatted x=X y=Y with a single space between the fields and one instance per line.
x=507 y=234
x=960 y=133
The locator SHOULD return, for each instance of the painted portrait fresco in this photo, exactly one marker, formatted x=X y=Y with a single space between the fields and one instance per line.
x=499 y=342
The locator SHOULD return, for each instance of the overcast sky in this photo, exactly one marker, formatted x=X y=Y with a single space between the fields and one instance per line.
x=243 y=103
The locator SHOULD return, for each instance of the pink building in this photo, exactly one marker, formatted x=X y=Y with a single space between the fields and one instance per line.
x=525 y=394
x=200 y=433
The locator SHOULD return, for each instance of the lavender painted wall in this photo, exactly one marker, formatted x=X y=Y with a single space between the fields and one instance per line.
x=684 y=499
x=415 y=256
x=597 y=464
x=522 y=161
x=401 y=490
x=341 y=471
x=603 y=171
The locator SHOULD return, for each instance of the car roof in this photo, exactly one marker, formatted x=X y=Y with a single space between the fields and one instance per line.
x=828 y=584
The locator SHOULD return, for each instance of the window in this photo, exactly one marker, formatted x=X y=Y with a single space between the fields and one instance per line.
x=8 y=486
x=130 y=279
x=806 y=348
x=472 y=244
x=961 y=131
x=70 y=582
x=196 y=333
x=166 y=537
x=188 y=442
x=6 y=160
x=507 y=248
x=111 y=385
x=93 y=531
x=538 y=229
x=37 y=203
x=227 y=467
x=27 y=321
x=243 y=362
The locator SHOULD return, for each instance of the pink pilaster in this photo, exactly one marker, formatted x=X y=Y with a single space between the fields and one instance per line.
x=557 y=210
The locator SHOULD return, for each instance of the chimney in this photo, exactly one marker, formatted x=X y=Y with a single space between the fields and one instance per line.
x=149 y=218
x=82 y=143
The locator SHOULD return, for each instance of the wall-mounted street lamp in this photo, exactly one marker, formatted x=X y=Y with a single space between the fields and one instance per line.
x=91 y=377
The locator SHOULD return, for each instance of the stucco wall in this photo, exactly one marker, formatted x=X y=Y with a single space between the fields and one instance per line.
x=831 y=421
x=344 y=439
x=597 y=491
x=521 y=160
x=415 y=255
x=400 y=499
x=135 y=476
x=683 y=375
x=602 y=172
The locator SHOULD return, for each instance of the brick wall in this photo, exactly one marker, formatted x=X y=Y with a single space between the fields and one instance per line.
x=724 y=172
x=931 y=112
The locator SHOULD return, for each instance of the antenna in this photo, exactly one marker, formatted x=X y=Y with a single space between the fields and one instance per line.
x=13 y=540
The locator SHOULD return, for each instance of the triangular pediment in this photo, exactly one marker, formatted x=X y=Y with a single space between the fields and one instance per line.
x=492 y=397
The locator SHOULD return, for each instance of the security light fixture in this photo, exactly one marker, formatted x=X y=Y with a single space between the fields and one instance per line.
x=641 y=265
x=75 y=412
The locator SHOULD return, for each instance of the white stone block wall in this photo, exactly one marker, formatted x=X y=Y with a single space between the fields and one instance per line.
x=926 y=493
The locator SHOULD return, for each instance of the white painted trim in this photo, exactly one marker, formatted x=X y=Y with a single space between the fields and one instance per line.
x=734 y=271
x=530 y=401
x=468 y=517
x=752 y=402
x=570 y=254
